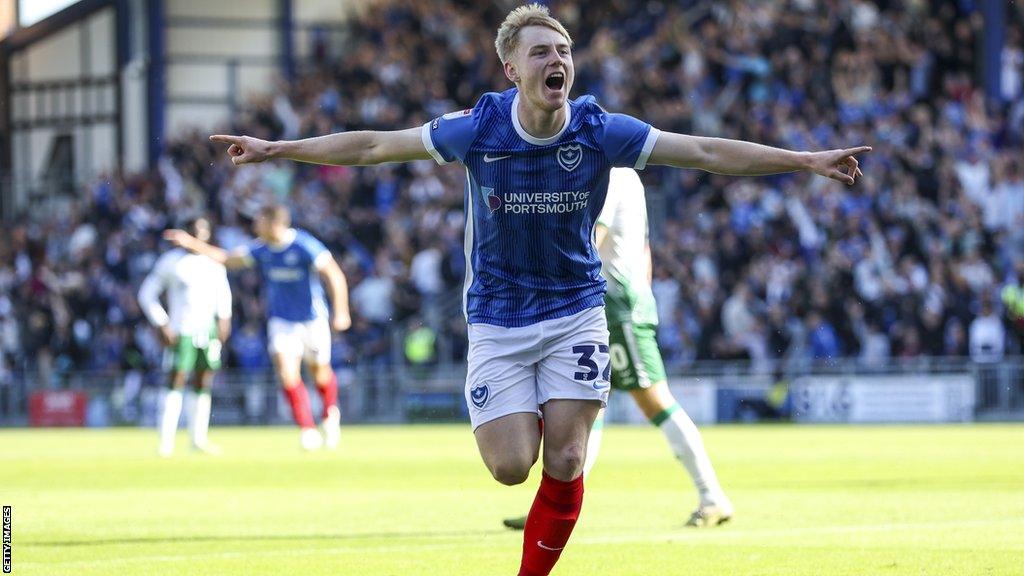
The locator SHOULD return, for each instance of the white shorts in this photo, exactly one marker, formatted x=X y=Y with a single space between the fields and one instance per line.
x=519 y=369
x=310 y=340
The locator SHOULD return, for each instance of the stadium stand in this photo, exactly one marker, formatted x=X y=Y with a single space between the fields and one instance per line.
x=925 y=258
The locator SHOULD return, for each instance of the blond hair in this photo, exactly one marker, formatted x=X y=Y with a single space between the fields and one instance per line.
x=527 y=15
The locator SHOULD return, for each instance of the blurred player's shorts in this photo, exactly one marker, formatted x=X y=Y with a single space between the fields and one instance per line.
x=310 y=340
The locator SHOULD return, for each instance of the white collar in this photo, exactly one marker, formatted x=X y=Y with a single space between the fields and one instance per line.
x=532 y=139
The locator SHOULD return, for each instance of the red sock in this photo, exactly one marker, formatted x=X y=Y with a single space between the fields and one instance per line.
x=550 y=523
x=328 y=392
x=299 y=400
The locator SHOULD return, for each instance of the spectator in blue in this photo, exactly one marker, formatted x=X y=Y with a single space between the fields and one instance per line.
x=824 y=342
x=249 y=348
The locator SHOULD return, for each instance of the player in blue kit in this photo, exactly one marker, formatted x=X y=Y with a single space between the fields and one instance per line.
x=537 y=166
x=292 y=263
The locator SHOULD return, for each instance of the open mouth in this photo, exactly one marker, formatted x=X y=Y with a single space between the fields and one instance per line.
x=555 y=81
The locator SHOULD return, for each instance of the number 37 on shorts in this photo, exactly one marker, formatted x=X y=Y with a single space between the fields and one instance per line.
x=588 y=362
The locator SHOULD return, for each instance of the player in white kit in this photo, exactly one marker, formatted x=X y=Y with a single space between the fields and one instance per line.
x=194 y=332
x=537 y=166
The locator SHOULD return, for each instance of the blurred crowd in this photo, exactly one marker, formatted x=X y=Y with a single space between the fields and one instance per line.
x=923 y=257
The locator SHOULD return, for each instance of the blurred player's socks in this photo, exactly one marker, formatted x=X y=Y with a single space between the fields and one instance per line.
x=551 y=520
x=298 y=398
x=688 y=447
x=169 y=421
x=328 y=392
x=201 y=419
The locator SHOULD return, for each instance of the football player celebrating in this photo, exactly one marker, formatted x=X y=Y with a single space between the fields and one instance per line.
x=537 y=173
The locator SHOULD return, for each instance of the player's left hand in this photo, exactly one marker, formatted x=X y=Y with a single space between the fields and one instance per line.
x=838 y=165
x=341 y=322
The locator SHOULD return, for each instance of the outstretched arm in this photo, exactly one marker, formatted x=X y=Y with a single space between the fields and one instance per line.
x=343 y=148
x=739 y=158
x=194 y=245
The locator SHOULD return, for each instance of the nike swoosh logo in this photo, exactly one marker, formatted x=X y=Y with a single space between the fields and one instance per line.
x=490 y=159
x=596 y=387
x=541 y=544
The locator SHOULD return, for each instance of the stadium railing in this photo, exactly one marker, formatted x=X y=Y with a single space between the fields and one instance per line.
x=394 y=393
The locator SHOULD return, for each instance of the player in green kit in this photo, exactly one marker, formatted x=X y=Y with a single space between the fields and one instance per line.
x=637 y=367
x=193 y=331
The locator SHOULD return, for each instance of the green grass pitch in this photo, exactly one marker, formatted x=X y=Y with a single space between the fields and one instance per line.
x=810 y=500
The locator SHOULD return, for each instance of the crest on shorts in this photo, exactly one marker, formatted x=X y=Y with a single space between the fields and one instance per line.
x=479 y=395
x=569 y=156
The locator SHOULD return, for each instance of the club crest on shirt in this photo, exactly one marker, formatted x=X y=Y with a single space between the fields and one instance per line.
x=479 y=395
x=291 y=258
x=569 y=156
x=492 y=199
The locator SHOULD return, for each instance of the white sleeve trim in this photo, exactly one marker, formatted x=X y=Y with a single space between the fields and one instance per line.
x=645 y=152
x=428 y=143
x=321 y=260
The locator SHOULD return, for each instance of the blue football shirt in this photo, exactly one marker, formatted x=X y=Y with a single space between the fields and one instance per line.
x=531 y=204
x=292 y=282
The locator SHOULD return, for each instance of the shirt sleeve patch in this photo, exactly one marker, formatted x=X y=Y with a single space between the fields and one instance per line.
x=457 y=114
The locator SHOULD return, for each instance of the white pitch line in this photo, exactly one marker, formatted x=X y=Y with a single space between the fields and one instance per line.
x=683 y=535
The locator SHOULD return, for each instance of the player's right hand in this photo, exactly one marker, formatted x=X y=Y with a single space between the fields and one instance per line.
x=244 y=149
x=179 y=238
x=168 y=337
x=341 y=322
